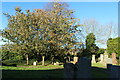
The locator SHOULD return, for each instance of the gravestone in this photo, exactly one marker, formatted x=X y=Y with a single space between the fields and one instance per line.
x=93 y=59
x=114 y=72
x=109 y=61
x=69 y=71
x=105 y=58
x=56 y=63
x=119 y=60
x=75 y=59
x=35 y=63
x=114 y=60
x=109 y=67
x=101 y=58
x=83 y=68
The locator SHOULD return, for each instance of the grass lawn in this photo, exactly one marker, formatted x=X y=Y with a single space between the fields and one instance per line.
x=31 y=67
x=98 y=65
x=52 y=71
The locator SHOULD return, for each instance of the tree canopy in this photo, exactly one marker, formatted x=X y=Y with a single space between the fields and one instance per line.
x=49 y=30
x=91 y=47
x=113 y=45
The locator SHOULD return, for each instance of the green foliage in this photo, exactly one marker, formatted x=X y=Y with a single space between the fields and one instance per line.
x=113 y=46
x=101 y=51
x=91 y=47
x=41 y=31
x=31 y=67
x=7 y=55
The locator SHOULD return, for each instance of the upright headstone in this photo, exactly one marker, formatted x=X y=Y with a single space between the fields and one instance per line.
x=93 y=59
x=119 y=60
x=56 y=63
x=114 y=72
x=83 y=68
x=75 y=59
x=109 y=61
x=35 y=63
x=114 y=60
x=101 y=58
x=105 y=58
x=109 y=67
x=69 y=71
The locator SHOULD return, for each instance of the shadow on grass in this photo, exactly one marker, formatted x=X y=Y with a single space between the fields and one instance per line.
x=32 y=74
x=58 y=74
x=99 y=72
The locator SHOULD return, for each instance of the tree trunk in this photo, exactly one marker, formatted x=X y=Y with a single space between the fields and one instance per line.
x=38 y=57
x=27 y=59
x=43 y=58
x=69 y=58
x=52 y=60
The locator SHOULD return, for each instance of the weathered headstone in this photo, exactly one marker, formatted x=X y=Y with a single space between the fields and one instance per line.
x=75 y=59
x=109 y=61
x=109 y=67
x=105 y=58
x=69 y=71
x=56 y=63
x=83 y=68
x=101 y=58
x=119 y=60
x=114 y=72
x=35 y=63
x=114 y=60
x=93 y=59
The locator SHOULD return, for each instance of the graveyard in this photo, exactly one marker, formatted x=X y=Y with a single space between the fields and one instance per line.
x=52 y=41
x=50 y=71
x=90 y=69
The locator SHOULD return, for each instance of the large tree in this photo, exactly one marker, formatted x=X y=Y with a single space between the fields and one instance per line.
x=26 y=31
x=102 y=32
x=91 y=47
x=113 y=46
x=63 y=27
x=42 y=31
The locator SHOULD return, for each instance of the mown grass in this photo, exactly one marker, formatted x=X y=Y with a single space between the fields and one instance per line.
x=98 y=64
x=31 y=67
x=51 y=71
x=99 y=70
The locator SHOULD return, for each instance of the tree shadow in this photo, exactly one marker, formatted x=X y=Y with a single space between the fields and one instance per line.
x=97 y=73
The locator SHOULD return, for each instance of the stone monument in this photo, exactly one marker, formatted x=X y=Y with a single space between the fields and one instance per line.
x=101 y=58
x=114 y=60
x=83 y=68
x=93 y=59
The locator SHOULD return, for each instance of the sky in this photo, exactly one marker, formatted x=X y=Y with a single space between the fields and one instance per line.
x=103 y=12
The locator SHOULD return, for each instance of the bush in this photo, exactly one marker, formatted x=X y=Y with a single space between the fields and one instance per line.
x=6 y=55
